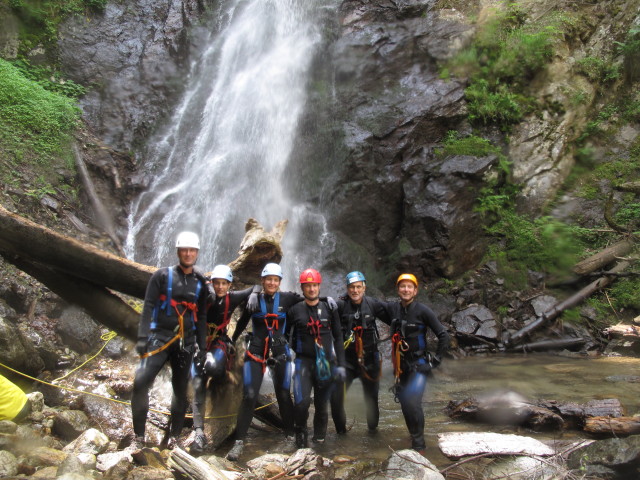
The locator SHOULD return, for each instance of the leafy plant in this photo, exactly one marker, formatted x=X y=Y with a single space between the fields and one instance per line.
x=471 y=145
x=49 y=79
x=35 y=123
x=598 y=70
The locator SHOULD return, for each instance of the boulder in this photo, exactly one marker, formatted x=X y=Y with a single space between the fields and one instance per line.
x=91 y=441
x=69 y=424
x=409 y=464
x=524 y=468
x=111 y=417
x=462 y=444
x=149 y=473
x=71 y=464
x=78 y=330
x=620 y=457
x=17 y=351
x=8 y=464
x=44 y=457
x=7 y=427
x=114 y=463
x=268 y=465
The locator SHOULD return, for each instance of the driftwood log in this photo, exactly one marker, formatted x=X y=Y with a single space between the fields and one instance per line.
x=613 y=426
x=194 y=468
x=604 y=257
x=577 y=298
x=509 y=408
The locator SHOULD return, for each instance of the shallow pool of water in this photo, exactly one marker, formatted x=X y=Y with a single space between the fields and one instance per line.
x=535 y=376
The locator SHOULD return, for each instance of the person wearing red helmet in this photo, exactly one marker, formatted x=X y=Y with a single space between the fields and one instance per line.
x=316 y=337
x=412 y=361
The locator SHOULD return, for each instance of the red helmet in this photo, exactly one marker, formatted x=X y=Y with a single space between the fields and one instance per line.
x=310 y=275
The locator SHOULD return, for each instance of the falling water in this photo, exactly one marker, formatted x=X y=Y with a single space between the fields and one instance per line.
x=222 y=158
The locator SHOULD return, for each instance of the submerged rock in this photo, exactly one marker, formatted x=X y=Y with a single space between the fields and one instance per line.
x=409 y=464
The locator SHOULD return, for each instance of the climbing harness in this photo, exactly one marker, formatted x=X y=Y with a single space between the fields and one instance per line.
x=216 y=330
x=359 y=345
x=323 y=367
x=169 y=303
x=272 y=323
x=398 y=349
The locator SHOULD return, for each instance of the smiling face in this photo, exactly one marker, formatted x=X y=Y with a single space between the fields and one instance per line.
x=407 y=291
x=311 y=292
x=270 y=284
x=221 y=286
x=187 y=257
x=355 y=291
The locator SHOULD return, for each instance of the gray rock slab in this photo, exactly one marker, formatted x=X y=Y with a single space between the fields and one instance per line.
x=462 y=444
x=409 y=464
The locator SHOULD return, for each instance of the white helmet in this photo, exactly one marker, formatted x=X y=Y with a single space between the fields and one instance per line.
x=272 y=269
x=222 y=271
x=188 y=240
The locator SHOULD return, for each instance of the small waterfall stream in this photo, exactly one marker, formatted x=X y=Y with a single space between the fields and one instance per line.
x=222 y=157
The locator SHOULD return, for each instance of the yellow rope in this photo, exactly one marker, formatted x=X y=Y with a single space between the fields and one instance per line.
x=116 y=400
x=107 y=337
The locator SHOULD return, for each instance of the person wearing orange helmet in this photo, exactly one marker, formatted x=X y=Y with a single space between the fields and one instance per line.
x=358 y=313
x=316 y=337
x=411 y=359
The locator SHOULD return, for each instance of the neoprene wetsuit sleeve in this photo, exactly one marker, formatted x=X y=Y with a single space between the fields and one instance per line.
x=441 y=332
x=380 y=310
x=243 y=321
x=151 y=297
x=338 y=341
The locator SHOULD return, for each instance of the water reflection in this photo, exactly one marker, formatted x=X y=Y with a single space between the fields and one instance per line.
x=535 y=376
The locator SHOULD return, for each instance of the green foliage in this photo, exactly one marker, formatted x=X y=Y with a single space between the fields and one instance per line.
x=35 y=124
x=632 y=44
x=507 y=52
x=49 y=79
x=41 y=18
x=470 y=145
x=598 y=70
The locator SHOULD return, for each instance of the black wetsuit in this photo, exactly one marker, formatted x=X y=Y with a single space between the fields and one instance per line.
x=315 y=333
x=409 y=338
x=267 y=346
x=218 y=342
x=159 y=325
x=362 y=356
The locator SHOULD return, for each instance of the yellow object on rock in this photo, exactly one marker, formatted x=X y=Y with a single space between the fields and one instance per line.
x=12 y=399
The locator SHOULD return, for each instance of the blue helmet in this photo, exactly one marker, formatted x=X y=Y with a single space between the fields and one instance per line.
x=272 y=269
x=355 y=276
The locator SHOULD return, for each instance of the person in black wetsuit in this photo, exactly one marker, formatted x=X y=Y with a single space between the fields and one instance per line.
x=267 y=347
x=219 y=349
x=172 y=327
x=411 y=360
x=316 y=337
x=358 y=315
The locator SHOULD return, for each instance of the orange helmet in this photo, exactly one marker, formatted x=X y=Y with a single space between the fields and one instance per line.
x=310 y=275
x=407 y=276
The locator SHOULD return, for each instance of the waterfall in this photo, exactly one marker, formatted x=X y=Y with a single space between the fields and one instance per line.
x=222 y=157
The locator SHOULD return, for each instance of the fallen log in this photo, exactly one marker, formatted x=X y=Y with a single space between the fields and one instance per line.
x=570 y=302
x=103 y=306
x=509 y=408
x=613 y=426
x=24 y=238
x=604 y=257
x=544 y=345
x=194 y=468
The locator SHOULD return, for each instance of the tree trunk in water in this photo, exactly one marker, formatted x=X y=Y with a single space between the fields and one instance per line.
x=613 y=426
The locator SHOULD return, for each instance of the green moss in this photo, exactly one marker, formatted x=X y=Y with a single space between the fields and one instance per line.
x=471 y=145
x=35 y=124
x=509 y=49
x=49 y=79
x=40 y=19
x=598 y=70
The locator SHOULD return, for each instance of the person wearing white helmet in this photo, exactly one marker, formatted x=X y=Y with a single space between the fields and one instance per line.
x=267 y=347
x=220 y=350
x=358 y=314
x=172 y=327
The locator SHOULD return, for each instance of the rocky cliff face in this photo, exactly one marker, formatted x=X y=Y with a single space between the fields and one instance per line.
x=134 y=55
